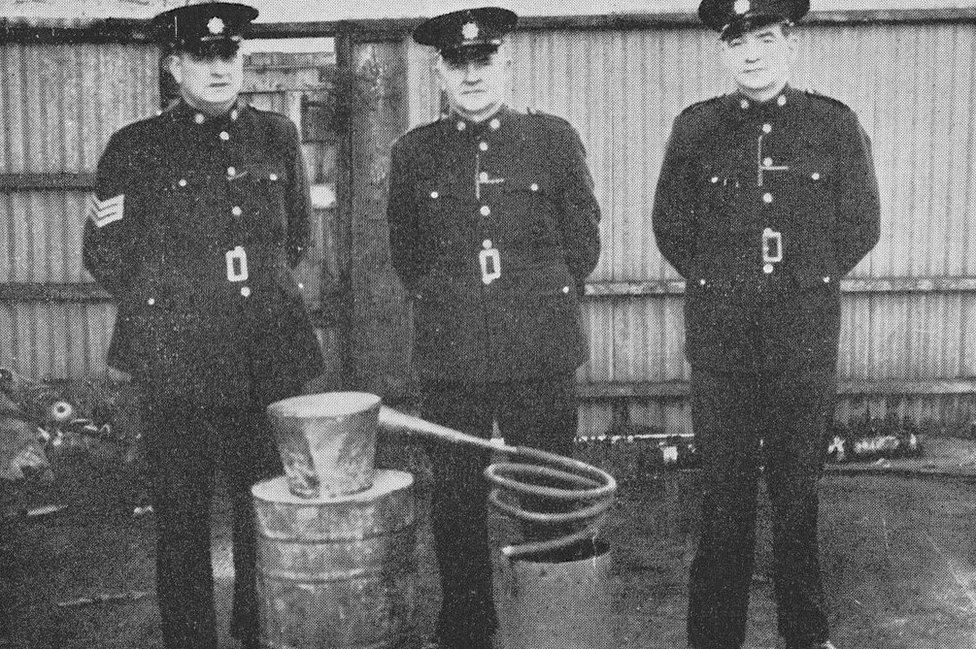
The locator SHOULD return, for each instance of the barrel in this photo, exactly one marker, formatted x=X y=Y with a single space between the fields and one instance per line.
x=557 y=600
x=339 y=572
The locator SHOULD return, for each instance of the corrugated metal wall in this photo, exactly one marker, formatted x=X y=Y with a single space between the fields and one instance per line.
x=912 y=86
x=59 y=103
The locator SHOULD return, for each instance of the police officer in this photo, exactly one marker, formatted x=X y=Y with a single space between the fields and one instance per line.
x=199 y=215
x=767 y=197
x=493 y=231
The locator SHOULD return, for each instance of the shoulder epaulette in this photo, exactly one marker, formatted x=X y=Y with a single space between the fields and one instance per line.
x=532 y=111
x=829 y=100
x=702 y=104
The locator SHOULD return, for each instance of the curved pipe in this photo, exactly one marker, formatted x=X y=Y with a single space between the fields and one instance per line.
x=579 y=482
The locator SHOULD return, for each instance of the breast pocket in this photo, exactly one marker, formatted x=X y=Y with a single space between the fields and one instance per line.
x=443 y=222
x=717 y=189
x=264 y=186
x=812 y=182
x=525 y=209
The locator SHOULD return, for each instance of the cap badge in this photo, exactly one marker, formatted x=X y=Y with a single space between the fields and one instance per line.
x=215 y=26
x=470 y=31
x=741 y=7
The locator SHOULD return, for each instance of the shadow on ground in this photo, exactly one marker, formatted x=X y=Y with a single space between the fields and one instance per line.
x=898 y=553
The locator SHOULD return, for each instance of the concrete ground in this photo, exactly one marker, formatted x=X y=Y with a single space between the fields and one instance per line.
x=898 y=546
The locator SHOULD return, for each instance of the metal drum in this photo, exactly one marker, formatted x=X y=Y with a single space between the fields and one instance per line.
x=327 y=441
x=557 y=600
x=340 y=572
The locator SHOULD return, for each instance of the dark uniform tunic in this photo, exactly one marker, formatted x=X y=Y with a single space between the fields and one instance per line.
x=194 y=228
x=493 y=231
x=763 y=208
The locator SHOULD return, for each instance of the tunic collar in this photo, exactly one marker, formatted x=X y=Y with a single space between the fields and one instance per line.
x=184 y=113
x=492 y=124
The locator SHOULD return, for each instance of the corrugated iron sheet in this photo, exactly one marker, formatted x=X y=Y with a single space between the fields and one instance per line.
x=912 y=87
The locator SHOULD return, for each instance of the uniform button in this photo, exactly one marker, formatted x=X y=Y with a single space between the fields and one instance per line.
x=565 y=289
x=246 y=291
x=151 y=301
x=826 y=279
x=534 y=187
x=486 y=243
x=781 y=100
x=301 y=286
x=483 y=146
x=198 y=118
x=231 y=171
x=714 y=179
x=236 y=210
x=224 y=135
x=767 y=128
x=233 y=115
x=701 y=282
x=768 y=268
x=485 y=210
x=815 y=175
x=494 y=124
x=182 y=182
x=744 y=103
x=767 y=198
x=434 y=194
x=483 y=176
x=273 y=177
x=768 y=162
x=461 y=126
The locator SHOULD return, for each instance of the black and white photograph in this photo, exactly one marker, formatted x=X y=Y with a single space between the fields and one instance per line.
x=521 y=325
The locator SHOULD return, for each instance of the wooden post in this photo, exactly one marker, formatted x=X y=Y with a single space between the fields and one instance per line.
x=373 y=330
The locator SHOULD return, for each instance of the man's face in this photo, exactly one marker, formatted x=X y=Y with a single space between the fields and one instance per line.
x=760 y=60
x=475 y=88
x=209 y=83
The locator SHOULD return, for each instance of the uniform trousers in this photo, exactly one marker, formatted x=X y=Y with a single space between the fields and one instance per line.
x=789 y=411
x=185 y=445
x=538 y=414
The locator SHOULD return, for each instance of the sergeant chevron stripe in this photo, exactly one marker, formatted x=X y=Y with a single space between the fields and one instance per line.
x=108 y=211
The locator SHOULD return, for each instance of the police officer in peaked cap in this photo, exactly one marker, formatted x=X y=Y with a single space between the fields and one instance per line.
x=199 y=216
x=493 y=231
x=767 y=197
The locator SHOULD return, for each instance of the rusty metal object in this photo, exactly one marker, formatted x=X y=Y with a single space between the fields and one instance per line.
x=327 y=442
x=557 y=599
x=338 y=572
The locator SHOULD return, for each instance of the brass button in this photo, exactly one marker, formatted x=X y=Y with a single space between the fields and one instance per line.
x=483 y=176
x=151 y=301
x=534 y=187
x=815 y=175
x=767 y=198
x=224 y=135
x=494 y=124
x=273 y=177
x=236 y=210
x=198 y=118
x=461 y=126
x=744 y=103
x=434 y=194
x=486 y=243
x=768 y=268
x=826 y=279
x=767 y=128
x=231 y=171
x=565 y=289
x=483 y=146
x=781 y=100
x=768 y=162
x=182 y=182
x=485 y=210
x=245 y=291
